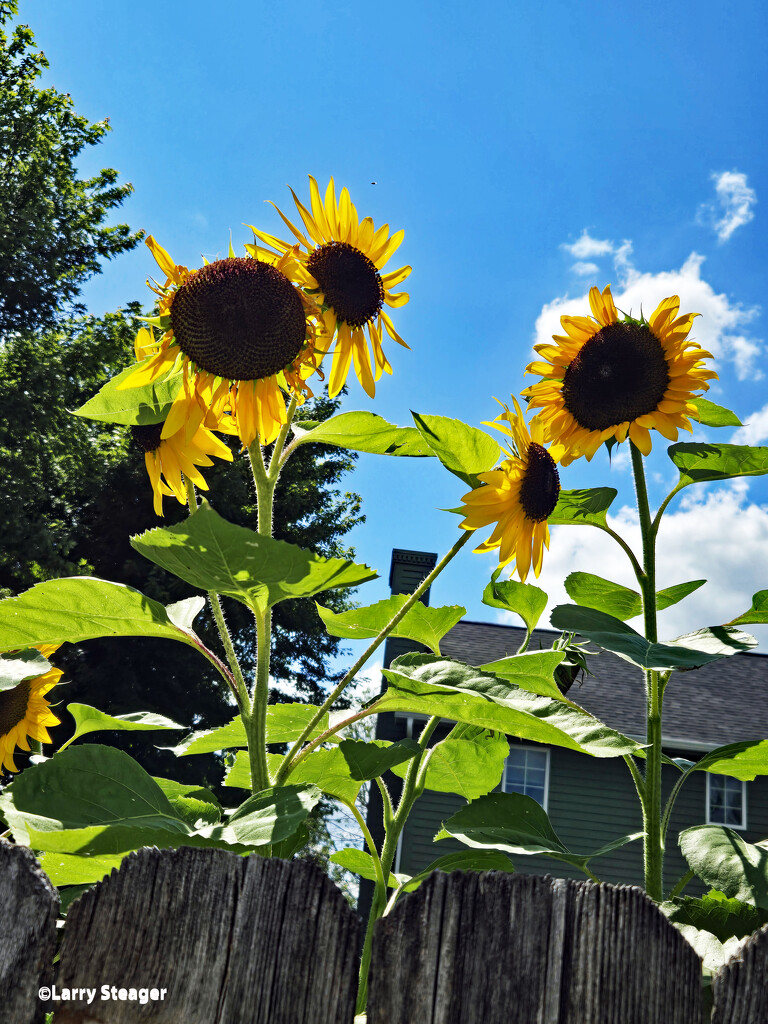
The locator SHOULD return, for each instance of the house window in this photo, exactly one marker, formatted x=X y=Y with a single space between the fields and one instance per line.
x=726 y=801
x=527 y=771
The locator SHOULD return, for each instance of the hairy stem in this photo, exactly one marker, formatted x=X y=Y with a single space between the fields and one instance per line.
x=296 y=754
x=654 y=838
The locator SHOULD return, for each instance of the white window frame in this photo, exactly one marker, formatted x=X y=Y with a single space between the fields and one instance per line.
x=743 y=826
x=538 y=750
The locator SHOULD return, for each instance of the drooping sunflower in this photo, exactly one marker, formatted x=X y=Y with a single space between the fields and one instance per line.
x=238 y=329
x=339 y=262
x=518 y=496
x=612 y=376
x=166 y=459
x=25 y=713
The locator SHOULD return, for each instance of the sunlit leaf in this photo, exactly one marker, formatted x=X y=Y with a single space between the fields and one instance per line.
x=421 y=623
x=326 y=769
x=698 y=461
x=591 y=591
x=369 y=760
x=685 y=652
x=586 y=506
x=144 y=405
x=15 y=668
x=516 y=824
x=524 y=599
x=88 y=719
x=82 y=608
x=361 y=863
x=745 y=760
x=461 y=693
x=711 y=415
x=758 y=610
x=266 y=817
x=463 y=860
x=285 y=723
x=366 y=432
x=725 y=861
x=212 y=554
x=464 y=450
x=470 y=768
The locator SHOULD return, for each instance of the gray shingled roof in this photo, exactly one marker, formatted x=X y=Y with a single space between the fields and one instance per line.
x=720 y=703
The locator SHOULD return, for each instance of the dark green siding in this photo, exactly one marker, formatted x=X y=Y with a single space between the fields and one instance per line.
x=591 y=802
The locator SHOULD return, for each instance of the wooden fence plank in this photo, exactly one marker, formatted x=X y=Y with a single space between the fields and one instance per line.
x=522 y=949
x=740 y=988
x=28 y=908
x=230 y=939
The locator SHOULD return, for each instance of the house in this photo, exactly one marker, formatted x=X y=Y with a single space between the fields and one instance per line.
x=591 y=801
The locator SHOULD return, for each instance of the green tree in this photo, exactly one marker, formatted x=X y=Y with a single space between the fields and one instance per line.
x=52 y=223
x=72 y=492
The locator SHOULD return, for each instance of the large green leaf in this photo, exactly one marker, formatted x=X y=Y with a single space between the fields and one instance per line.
x=14 y=669
x=266 y=817
x=194 y=804
x=469 y=767
x=212 y=554
x=508 y=668
x=712 y=415
x=516 y=824
x=144 y=405
x=698 y=461
x=366 y=432
x=614 y=599
x=82 y=608
x=461 y=693
x=716 y=913
x=583 y=507
x=758 y=610
x=463 y=860
x=88 y=719
x=464 y=450
x=70 y=869
x=591 y=591
x=745 y=760
x=326 y=769
x=369 y=760
x=285 y=723
x=685 y=652
x=83 y=786
x=725 y=861
x=420 y=623
x=361 y=863
x=524 y=599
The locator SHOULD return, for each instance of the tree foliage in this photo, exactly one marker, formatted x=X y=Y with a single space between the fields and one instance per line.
x=53 y=233
x=73 y=491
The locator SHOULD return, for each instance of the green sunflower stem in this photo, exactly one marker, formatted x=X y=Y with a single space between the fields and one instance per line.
x=296 y=754
x=413 y=786
x=239 y=689
x=651 y=805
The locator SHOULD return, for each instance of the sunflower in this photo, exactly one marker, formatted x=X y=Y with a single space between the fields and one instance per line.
x=169 y=458
x=518 y=496
x=612 y=376
x=238 y=330
x=339 y=262
x=24 y=712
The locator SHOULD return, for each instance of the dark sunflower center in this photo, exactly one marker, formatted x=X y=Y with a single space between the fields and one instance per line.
x=540 y=488
x=13 y=706
x=239 y=318
x=349 y=280
x=619 y=374
x=147 y=438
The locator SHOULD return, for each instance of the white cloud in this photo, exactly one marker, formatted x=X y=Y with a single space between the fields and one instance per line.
x=587 y=247
x=720 y=329
x=733 y=206
x=717 y=535
x=755 y=429
x=585 y=269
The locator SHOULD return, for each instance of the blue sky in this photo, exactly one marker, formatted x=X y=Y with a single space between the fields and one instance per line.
x=529 y=151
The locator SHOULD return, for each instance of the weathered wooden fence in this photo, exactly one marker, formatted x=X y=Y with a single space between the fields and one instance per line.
x=206 y=937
